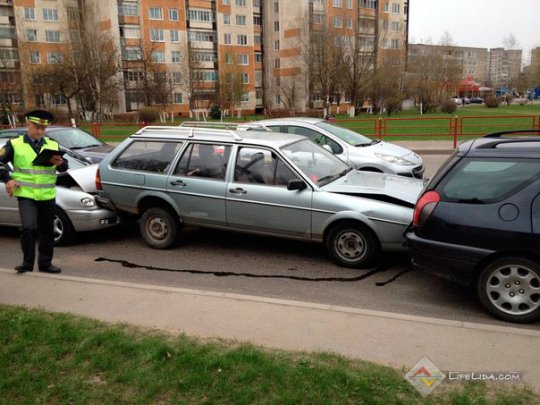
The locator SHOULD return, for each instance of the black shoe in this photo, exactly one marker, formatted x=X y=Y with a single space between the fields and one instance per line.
x=50 y=269
x=24 y=268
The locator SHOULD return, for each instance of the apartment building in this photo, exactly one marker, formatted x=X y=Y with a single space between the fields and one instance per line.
x=186 y=55
x=504 y=67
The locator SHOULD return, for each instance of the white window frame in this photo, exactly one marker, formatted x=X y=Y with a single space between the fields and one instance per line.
x=158 y=56
x=242 y=59
x=176 y=56
x=157 y=35
x=173 y=14
x=50 y=14
x=35 y=57
x=178 y=98
x=155 y=13
x=241 y=20
x=52 y=37
x=31 y=35
x=30 y=14
x=175 y=35
x=241 y=39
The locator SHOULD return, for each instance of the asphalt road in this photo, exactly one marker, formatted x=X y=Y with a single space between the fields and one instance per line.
x=229 y=262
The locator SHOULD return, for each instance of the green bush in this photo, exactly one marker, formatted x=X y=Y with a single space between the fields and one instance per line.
x=492 y=102
x=149 y=114
x=392 y=105
x=448 y=107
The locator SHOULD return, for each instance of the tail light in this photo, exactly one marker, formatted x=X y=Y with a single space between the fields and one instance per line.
x=424 y=207
x=98 y=181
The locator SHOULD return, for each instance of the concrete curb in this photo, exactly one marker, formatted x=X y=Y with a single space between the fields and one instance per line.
x=385 y=338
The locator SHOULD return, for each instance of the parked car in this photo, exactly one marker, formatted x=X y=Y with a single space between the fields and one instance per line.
x=477 y=100
x=355 y=149
x=457 y=100
x=283 y=185
x=86 y=145
x=76 y=207
x=478 y=222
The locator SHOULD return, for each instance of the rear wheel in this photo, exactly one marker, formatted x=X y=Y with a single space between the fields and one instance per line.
x=159 y=228
x=352 y=245
x=509 y=288
x=63 y=230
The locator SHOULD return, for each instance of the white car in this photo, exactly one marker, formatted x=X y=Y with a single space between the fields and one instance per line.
x=357 y=150
x=76 y=207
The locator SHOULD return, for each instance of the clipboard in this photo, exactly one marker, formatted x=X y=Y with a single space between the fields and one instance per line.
x=45 y=155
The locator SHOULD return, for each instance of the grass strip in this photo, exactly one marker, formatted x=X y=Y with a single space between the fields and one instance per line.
x=60 y=358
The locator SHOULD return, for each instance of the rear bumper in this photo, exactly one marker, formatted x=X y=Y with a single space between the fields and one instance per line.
x=84 y=220
x=453 y=262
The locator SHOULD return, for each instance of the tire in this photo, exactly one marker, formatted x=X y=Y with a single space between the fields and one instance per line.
x=509 y=288
x=352 y=245
x=63 y=229
x=159 y=228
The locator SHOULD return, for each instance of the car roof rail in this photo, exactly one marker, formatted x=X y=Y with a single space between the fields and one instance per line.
x=500 y=134
x=223 y=125
x=189 y=131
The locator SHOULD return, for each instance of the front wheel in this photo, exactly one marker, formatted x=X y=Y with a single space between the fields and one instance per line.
x=509 y=288
x=352 y=245
x=159 y=228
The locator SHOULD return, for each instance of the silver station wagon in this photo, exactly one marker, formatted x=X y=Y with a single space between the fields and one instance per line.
x=280 y=185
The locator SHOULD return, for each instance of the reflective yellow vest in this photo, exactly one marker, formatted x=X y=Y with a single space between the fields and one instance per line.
x=35 y=182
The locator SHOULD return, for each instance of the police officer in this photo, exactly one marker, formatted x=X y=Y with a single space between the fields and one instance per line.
x=34 y=187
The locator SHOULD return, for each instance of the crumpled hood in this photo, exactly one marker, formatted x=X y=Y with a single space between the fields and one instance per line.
x=85 y=177
x=365 y=183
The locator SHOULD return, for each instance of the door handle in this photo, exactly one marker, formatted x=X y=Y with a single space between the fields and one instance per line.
x=178 y=183
x=237 y=190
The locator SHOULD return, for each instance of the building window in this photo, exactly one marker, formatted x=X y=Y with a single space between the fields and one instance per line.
x=131 y=54
x=257 y=20
x=349 y=22
x=201 y=36
x=317 y=18
x=209 y=76
x=35 y=57
x=258 y=76
x=29 y=14
x=155 y=13
x=256 y=3
x=243 y=59
x=228 y=59
x=240 y=3
x=176 y=77
x=385 y=9
x=175 y=36
x=175 y=56
x=173 y=14
x=396 y=8
x=276 y=7
x=368 y=4
x=276 y=63
x=244 y=96
x=257 y=39
x=395 y=26
x=258 y=94
x=52 y=36
x=156 y=35
x=240 y=20
x=201 y=15
x=244 y=78
x=31 y=35
x=227 y=2
x=54 y=57
x=337 y=3
x=241 y=39
x=158 y=56
x=227 y=40
x=258 y=57
x=337 y=22
x=348 y=4
x=276 y=45
x=395 y=44
x=276 y=26
x=178 y=99
x=50 y=14
x=128 y=9
x=226 y=19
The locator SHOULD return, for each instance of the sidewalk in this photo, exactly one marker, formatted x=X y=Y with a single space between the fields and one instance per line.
x=385 y=338
x=428 y=147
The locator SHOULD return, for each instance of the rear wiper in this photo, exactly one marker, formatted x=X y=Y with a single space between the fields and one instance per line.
x=474 y=200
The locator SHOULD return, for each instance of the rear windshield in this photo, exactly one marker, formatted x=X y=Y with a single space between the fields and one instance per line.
x=488 y=180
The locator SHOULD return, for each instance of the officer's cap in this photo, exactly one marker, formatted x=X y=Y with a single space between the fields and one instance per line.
x=40 y=117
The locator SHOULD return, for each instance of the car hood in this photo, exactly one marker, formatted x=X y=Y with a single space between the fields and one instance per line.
x=377 y=184
x=84 y=177
x=394 y=150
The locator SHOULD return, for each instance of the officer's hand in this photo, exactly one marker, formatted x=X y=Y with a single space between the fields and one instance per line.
x=56 y=160
x=10 y=185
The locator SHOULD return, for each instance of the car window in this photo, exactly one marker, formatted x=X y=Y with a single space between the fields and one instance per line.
x=488 y=180
x=261 y=166
x=147 y=156
x=73 y=138
x=10 y=134
x=315 y=136
x=351 y=137
x=274 y=128
x=204 y=160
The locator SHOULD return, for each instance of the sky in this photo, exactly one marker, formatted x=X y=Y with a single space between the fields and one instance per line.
x=476 y=23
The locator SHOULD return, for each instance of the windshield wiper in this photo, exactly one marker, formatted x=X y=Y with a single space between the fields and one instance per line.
x=333 y=177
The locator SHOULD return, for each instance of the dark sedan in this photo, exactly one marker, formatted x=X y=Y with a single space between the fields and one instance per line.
x=86 y=145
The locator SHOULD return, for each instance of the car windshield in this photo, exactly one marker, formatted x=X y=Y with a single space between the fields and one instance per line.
x=315 y=162
x=73 y=138
x=351 y=137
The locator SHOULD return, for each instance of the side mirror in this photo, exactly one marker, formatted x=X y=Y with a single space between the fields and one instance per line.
x=296 y=184
x=328 y=148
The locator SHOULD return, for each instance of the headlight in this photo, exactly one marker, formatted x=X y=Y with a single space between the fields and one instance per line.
x=88 y=202
x=394 y=159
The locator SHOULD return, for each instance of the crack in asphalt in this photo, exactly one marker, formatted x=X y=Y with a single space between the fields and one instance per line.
x=128 y=264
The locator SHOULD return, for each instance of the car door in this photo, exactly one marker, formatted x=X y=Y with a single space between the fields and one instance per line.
x=258 y=200
x=197 y=185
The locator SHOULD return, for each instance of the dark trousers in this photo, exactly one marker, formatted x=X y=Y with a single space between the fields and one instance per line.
x=37 y=225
